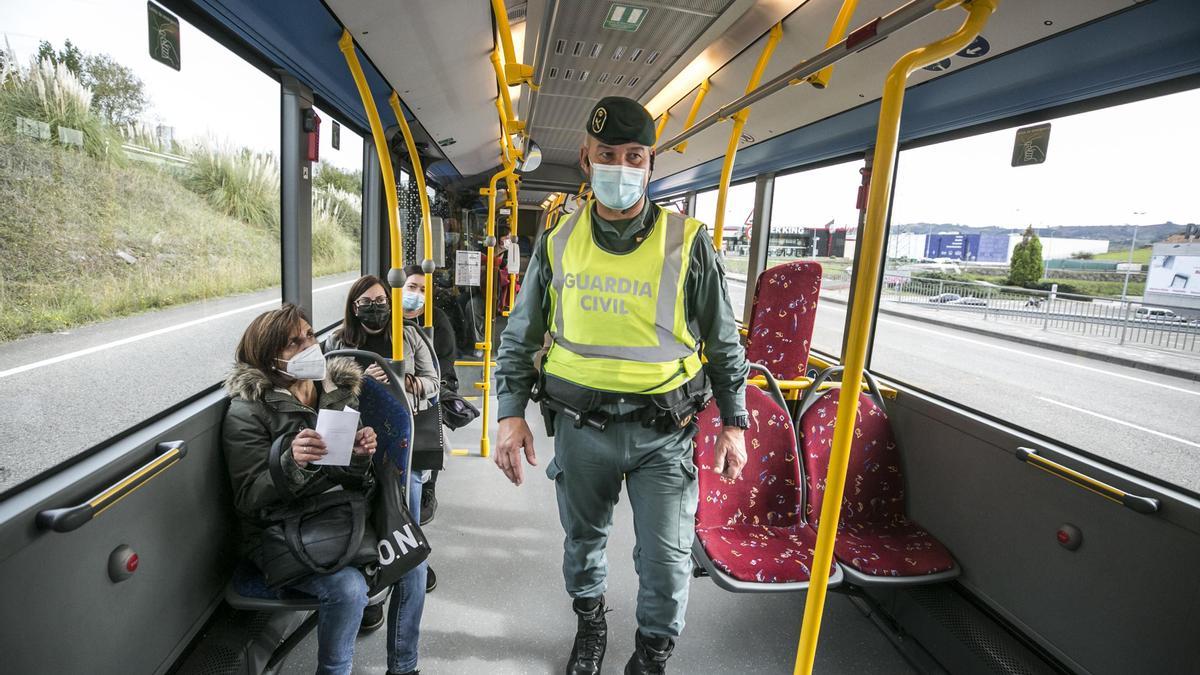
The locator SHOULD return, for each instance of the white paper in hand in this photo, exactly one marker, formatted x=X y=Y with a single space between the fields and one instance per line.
x=337 y=428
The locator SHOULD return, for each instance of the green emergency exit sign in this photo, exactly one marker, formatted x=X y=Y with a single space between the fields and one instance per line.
x=624 y=17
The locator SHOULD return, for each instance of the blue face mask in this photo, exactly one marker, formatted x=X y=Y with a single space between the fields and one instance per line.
x=618 y=187
x=413 y=301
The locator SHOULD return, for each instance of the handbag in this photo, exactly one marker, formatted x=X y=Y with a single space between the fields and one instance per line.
x=317 y=534
x=457 y=412
x=429 y=445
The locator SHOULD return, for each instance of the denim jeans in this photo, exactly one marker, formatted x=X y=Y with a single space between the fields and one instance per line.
x=407 y=602
x=343 y=595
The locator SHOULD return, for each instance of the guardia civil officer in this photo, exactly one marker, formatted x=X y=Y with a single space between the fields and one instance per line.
x=631 y=296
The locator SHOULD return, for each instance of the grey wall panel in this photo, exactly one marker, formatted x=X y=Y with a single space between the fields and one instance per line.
x=1125 y=601
x=60 y=611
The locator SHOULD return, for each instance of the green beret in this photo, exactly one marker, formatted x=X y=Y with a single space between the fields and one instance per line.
x=616 y=120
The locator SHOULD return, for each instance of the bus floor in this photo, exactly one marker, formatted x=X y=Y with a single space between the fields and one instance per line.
x=500 y=607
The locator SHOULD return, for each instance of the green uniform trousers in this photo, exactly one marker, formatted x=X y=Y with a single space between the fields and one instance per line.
x=587 y=471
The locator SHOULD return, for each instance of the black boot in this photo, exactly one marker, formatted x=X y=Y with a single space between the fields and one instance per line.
x=591 y=638
x=650 y=655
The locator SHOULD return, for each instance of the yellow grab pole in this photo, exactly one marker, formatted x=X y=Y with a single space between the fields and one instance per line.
x=739 y=122
x=504 y=103
x=426 y=221
x=515 y=72
x=820 y=79
x=346 y=44
x=687 y=124
x=866 y=278
x=485 y=446
x=662 y=124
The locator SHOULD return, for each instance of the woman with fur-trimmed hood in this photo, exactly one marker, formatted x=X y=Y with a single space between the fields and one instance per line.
x=280 y=381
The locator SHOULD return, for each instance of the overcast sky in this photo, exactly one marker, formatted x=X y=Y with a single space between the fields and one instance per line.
x=1129 y=164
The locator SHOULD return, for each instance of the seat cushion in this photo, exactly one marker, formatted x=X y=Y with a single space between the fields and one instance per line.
x=761 y=553
x=903 y=549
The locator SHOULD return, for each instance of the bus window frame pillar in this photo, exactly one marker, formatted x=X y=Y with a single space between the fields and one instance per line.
x=295 y=195
x=374 y=243
x=760 y=232
x=689 y=201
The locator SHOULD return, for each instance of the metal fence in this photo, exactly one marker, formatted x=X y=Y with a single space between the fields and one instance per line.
x=1106 y=319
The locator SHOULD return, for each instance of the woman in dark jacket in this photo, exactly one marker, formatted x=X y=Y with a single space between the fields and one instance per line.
x=276 y=387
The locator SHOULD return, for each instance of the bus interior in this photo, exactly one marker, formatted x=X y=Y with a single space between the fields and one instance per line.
x=1056 y=487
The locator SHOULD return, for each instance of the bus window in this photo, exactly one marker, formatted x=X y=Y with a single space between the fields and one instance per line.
x=140 y=223
x=813 y=217
x=993 y=272
x=739 y=207
x=336 y=221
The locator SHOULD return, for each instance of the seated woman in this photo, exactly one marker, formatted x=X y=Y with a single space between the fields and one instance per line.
x=278 y=383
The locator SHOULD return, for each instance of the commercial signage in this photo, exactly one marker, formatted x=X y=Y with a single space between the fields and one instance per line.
x=1175 y=274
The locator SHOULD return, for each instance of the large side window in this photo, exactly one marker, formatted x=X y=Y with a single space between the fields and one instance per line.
x=814 y=217
x=739 y=210
x=336 y=221
x=1022 y=291
x=139 y=223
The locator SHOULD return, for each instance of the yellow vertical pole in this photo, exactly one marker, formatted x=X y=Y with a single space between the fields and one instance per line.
x=662 y=124
x=346 y=44
x=866 y=279
x=510 y=125
x=820 y=79
x=691 y=118
x=426 y=221
x=485 y=386
x=515 y=72
x=739 y=122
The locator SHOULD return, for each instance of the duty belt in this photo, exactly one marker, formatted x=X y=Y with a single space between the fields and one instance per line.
x=580 y=405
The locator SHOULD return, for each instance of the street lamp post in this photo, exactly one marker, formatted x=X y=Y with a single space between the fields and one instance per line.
x=1128 y=270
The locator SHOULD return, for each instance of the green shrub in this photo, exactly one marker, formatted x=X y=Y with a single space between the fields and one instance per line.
x=342 y=206
x=53 y=94
x=238 y=183
x=328 y=176
x=333 y=250
x=1026 y=267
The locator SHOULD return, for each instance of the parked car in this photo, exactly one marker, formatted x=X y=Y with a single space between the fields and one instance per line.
x=968 y=300
x=1156 y=314
x=946 y=297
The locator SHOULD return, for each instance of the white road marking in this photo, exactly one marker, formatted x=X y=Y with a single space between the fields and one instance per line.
x=1122 y=422
x=154 y=333
x=1023 y=353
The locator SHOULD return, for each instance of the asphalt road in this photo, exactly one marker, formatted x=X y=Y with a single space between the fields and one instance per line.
x=1139 y=419
x=64 y=392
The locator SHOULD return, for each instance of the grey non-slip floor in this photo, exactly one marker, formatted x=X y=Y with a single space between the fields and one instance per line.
x=500 y=606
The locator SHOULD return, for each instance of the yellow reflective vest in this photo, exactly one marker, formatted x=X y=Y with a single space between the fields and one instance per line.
x=617 y=320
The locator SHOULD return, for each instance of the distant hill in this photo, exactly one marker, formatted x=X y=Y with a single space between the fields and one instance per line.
x=1117 y=235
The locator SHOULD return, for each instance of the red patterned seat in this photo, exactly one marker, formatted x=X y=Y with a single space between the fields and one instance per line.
x=781 y=325
x=875 y=537
x=752 y=529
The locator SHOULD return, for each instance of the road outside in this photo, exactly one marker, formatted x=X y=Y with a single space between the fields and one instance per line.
x=66 y=392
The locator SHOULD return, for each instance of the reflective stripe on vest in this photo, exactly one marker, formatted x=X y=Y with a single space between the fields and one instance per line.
x=617 y=339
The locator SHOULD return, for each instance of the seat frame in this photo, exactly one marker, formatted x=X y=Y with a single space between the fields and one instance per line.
x=852 y=575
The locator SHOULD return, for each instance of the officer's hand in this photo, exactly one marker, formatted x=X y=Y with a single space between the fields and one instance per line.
x=730 y=452
x=515 y=436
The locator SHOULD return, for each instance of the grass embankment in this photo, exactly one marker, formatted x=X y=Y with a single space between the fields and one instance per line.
x=1140 y=255
x=1099 y=289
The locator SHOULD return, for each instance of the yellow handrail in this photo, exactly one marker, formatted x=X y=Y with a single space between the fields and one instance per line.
x=426 y=221
x=820 y=79
x=735 y=134
x=515 y=72
x=485 y=447
x=662 y=124
x=504 y=103
x=346 y=44
x=864 y=305
x=687 y=124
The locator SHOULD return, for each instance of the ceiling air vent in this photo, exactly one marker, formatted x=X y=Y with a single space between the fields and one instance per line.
x=637 y=54
x=553 y=72
x=603 y=78
x=618 y=79
x=583 y=75
x=560 y=47
x=652 y=58
x=578 y=48
x=568 y=73
x=633 y=81
x=618 y=53
x=596 y=49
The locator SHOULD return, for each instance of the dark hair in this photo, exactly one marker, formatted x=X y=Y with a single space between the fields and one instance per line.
x=352 y=332
x=265 y=339
x=410 y=270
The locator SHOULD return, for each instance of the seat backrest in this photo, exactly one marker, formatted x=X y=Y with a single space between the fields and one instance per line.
x=781 y=324
x=768 y=491
x=874 y=482
x=389 y=416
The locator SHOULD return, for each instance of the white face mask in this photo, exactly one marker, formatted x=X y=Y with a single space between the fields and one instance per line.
x=618 y=187
x=307 y=365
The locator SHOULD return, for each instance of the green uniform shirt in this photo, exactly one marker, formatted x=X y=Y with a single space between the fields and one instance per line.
x=709 y=316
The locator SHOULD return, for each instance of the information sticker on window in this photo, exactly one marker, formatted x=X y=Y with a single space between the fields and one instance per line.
x=164 y=36
x=467 y=268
